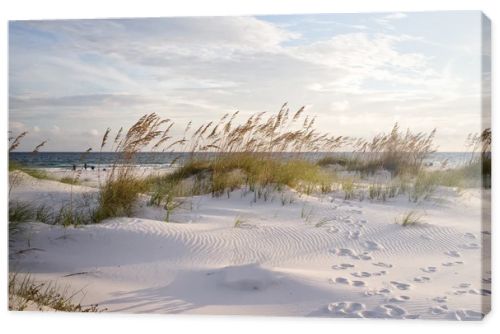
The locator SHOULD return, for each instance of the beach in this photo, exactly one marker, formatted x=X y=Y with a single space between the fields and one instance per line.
x=290 y=254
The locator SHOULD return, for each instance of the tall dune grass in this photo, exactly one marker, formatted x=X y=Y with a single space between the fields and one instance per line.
x=262 y=151
x=121 y=188
x=24 y=292
x=397 y=151
x=14 y=142
x=481 y=143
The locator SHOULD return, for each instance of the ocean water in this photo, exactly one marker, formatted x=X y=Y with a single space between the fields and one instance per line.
x=164 y=159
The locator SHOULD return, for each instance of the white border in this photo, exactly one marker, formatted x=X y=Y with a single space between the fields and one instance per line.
x=114 y=323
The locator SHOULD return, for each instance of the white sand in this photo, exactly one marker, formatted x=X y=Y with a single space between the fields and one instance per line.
x=315 y=257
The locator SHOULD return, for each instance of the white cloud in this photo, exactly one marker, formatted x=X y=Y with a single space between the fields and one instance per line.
x=340 y=106
x=55 y=129
x=385 y=21
x=93 y=132
x=395 y=16
x=101 y=73
x=16 y=126
x=156 y=42
x=360 y=52
x=359 y=59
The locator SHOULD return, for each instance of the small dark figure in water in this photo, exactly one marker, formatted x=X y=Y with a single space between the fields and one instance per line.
x=85 y=166
x=104 y=169
x=92 y=167
x=74 y=167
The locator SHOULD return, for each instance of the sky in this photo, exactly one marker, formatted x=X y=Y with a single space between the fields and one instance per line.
x=69 y=80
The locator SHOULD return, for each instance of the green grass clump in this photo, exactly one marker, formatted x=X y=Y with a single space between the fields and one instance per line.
x=465 y=176
x=122 y=187
x=355 y=163
x=238 y=222
x=44 y=214
x=425 y=183
x=69 y=180
x=232 y=171
x=68 y=216
x=118 y=196
x=334 y=160
x=20 y=212
x=348 y=187
x=382 y=192
x=24 y=292
x=423 y=186
x=397 y=151
x=34 y=172
x=168 y=190
x=410 y=218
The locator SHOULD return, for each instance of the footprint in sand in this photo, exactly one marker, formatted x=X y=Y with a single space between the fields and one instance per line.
x=340 y=280
x=388 y=311
x=429 y=270
x=361 y=274
x=380 y=273
x=469 y=235
x=383 y=265
x=332 y=229
x=358 y=283
x=400 y=285
x=463 y=285
x=482 y=292
x=358 y=310
x=346 y=309
x=485 y=292
x=422 y=279
x=467 y=315
x=486 y=280
x=439 y=309
x=451 y=264
x=453 y=253
x=342 y=266
x=400 y=299
x=369 y=293
x=366 y=256
x=349 y=252
x=353 y=235
x=471 y=245
x=346 y=281
x=372 y=245
x=343 y=252
x=440 y=299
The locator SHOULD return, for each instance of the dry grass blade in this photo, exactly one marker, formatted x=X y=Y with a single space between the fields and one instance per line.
x=39 y=146
x=16 y=141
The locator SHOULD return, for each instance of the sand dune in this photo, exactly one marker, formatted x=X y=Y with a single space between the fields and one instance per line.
x=319 y=256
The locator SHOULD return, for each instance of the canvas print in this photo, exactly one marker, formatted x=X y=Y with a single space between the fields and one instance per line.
x=327 y=165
